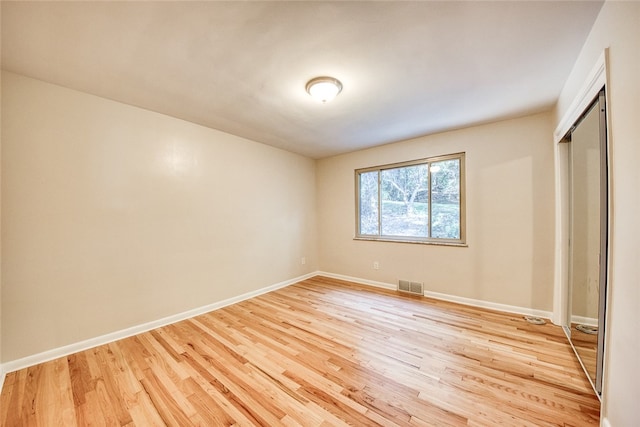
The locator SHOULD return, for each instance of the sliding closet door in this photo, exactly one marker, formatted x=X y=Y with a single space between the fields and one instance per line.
x=588 y=239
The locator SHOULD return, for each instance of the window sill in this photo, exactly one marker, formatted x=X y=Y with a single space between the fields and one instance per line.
x=415 y=242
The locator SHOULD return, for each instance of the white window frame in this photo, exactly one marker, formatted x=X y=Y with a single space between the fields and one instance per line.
x=405 y=239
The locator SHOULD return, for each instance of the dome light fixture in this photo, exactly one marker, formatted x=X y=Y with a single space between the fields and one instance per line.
x=324 y=89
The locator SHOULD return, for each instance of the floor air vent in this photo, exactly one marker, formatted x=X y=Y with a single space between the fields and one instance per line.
x=535 y=320
x=415 y=288
x=588 y=329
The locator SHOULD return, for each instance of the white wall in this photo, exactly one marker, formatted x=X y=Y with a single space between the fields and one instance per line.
x=618 y=28
x=114 y=216
x=509 y=257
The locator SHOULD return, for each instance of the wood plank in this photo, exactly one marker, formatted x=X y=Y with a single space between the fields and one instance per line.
x=322 y=352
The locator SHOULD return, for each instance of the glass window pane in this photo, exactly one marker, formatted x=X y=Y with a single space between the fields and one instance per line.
x=368 y=203
x=404 y=198
x=419 y=200
x=445 y=199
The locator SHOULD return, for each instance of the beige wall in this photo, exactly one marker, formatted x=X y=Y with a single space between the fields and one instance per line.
x=113 y=216
x=618 y=27
x=509 y=257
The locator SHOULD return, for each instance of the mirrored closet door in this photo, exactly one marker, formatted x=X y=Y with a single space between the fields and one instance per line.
x=588 y=240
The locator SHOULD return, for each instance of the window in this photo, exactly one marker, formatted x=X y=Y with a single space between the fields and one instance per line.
x=418 y=201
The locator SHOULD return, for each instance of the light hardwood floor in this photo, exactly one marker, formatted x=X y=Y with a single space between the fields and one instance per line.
x=318 y=353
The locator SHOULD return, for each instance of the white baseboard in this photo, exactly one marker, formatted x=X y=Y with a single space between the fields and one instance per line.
x=66 y=350
x=48 y=355
x=358 y=280
x=581 y=320
x=490 y=305
x=450 y=298
x=605 y=422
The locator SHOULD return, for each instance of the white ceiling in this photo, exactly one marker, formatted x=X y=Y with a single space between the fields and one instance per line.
x=408 y=68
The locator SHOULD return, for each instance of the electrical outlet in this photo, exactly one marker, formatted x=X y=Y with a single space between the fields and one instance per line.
x=303 y=261
x=376 y=265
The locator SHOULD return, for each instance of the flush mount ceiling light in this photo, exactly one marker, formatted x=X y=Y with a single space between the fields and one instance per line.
x=324 y=88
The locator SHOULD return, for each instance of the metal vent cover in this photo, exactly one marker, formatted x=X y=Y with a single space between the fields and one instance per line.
x=534 y=320
x=415 y=288
x=588 y=329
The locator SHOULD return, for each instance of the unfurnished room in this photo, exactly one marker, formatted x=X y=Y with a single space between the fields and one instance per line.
x=319 y=213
